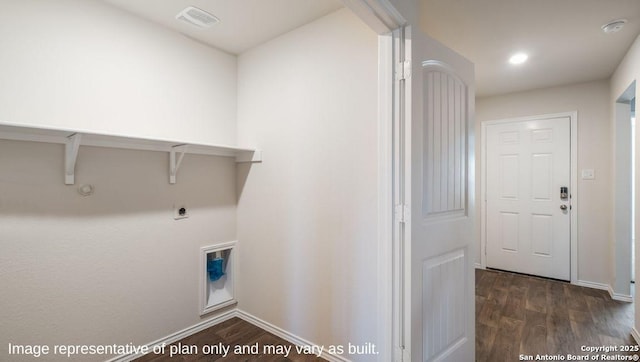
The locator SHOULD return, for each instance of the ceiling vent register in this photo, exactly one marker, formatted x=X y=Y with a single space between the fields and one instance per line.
x=197 y=17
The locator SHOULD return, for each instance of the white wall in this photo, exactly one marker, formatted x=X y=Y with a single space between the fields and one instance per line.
x=113 y=267
x=625 y=74
x=109 y=268
x=307 y=216
x=594 y=152
x=82 y=64
x=628 y=70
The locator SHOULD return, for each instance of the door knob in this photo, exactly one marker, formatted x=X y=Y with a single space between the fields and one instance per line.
x=563 y=207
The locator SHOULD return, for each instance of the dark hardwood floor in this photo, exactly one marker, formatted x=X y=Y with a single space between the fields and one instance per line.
x=234 y=332
x=515 y=315
x=518 y=314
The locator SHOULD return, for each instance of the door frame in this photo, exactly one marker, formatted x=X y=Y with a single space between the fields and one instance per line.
x=573 y=116
x=383 y=18
x=622 y=210
x=394 y=159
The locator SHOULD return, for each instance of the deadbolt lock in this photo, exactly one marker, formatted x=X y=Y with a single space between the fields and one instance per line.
x=564 y=193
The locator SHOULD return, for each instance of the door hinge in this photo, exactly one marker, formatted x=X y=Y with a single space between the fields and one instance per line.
x=401 y=355
x=398 y=354
x=406 y=356
x=402 y=213
x=403 y=71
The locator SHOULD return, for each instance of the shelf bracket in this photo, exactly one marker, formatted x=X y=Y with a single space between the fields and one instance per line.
x=70 y=156
x=174 y=163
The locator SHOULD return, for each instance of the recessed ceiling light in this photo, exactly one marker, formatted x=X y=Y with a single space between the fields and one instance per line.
x=613 y=26
x=518 y=58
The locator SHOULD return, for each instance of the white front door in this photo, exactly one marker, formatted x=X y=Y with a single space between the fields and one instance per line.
x=528 y=218
x=439 y=171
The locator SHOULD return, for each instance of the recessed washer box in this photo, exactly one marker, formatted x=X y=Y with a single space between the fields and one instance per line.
x=217 y=291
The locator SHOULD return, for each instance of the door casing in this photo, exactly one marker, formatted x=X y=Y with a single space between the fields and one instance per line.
x=573 y=116
x=394 y=300
x=383 y=18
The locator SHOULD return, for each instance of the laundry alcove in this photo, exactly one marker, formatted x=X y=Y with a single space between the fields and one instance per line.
x=92 y=88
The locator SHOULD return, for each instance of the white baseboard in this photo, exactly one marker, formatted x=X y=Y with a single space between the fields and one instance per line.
x=608 y=288
x=478 y=266
x=635 y=335
x=620 y=297
x=594 y=285
x=180 y=334
x=290 y=337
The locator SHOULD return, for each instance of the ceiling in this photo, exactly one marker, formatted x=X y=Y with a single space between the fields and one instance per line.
x=243 y=23
x=563 y=38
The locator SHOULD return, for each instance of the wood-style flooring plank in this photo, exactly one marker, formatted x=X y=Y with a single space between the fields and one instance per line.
x=534 y=333
x=506 y=345
x=516 y=302
x=515 y=314
x=490 y=313
x=559 y=332
x=485 y=337
x=233 y=332
x=518 y=314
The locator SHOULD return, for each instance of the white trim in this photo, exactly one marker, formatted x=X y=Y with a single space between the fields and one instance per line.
x=402 y=198
x=385 y=197
x=384 y=18
x=615 y=296
x=635 y=335
x=606 y=287
x=619 y=297
x=398 y=320
x=277 y=331
x=573 y=116
x=593 y=285
x=483 y=195
x=379 y=15
x=174 y=337
x=622 y=185
x=290 y=337
x=479 y=266
x=574 y=194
